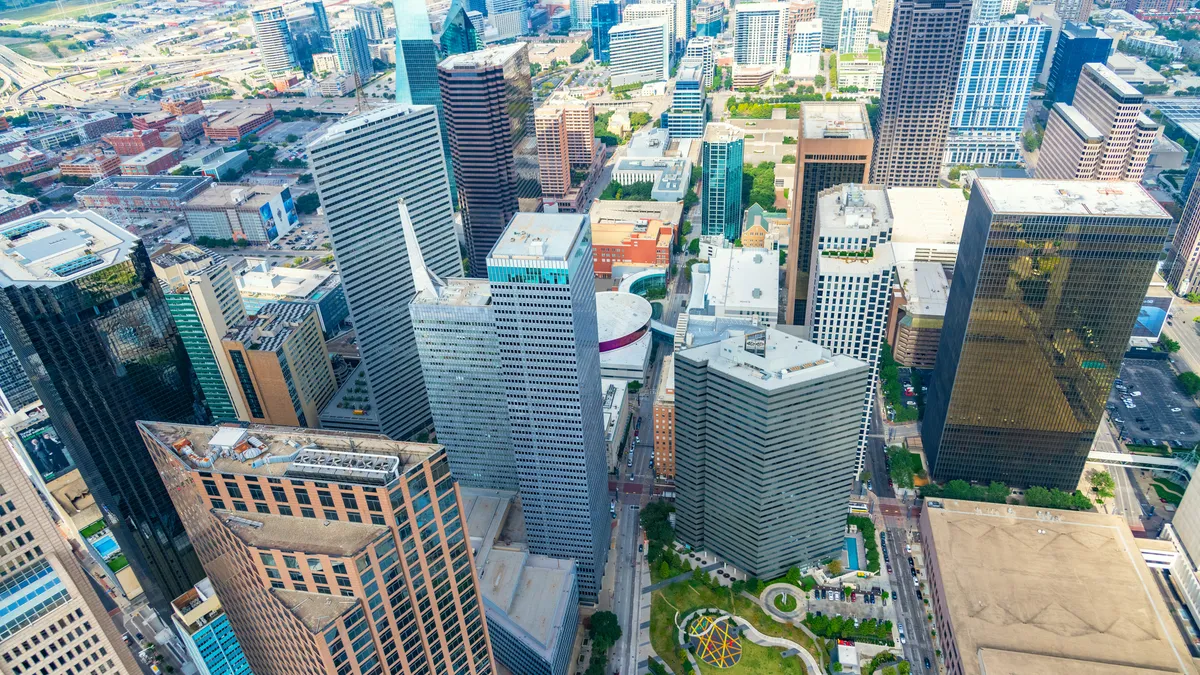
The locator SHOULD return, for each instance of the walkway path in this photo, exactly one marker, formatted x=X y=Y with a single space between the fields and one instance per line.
x=752 y=634
x=679 y=577
x=774 y=590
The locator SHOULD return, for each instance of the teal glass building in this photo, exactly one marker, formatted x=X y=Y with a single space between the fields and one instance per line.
x=721 y=195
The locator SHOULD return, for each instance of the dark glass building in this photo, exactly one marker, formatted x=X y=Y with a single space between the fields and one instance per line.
x=15 y=387
x=459 y=34
x=1049 y=280
x=1077 y=44
x=86 y=317
x=416 y=64
x=605 y=15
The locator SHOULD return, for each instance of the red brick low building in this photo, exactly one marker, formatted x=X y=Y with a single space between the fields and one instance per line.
x=182 y=106
x=151 y=162
x=158 y=120
x=93 y=167
x=232 y=126
x=14 y=206
x=134 y=141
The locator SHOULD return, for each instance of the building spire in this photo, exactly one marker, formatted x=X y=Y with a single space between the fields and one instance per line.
x=424 y=280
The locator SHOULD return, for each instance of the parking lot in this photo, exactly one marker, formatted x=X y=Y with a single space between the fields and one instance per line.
x=280 y=132
x=1154 y=417
x=858 y=610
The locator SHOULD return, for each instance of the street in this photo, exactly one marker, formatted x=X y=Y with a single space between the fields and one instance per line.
x=911 y=612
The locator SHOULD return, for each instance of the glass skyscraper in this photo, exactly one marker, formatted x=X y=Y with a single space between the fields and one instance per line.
x=16 y=391
x=459 y=34
x=1077 y=45
x=605 y=15
x=87 y=318
x=1049 y=280
x=416 y=67
x=353 y=54
x=721 y=196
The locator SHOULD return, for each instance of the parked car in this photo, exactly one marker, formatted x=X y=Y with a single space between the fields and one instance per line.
x=1176 y=409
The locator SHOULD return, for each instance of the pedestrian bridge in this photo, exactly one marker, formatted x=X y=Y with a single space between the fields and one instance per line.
x=1183 y=464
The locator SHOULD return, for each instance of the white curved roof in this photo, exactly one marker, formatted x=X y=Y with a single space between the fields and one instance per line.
x=620 y=314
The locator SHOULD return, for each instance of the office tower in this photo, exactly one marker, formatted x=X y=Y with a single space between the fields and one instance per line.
x=686 y=117
x=510 y=18
x=709 y=18
x=1073 y=10
x=800 y=11
x=1184 y=532
x=284 y=376
x=851 y=281
x=1077 y=44
x=204 y=302
x=664 y=420
x=555 y=413
x=353 y=55
x=581 y=14
x=400 y=142
x=306 y=40
x=804 y=55
x=488 y=104
x=919 y=294
x=679 y=17
x=459 y=35
x=605 y=15
x=204 y=629
x=742 y=283
x=830 y=13
x=568 y=154
x=370 y=18
x=322 y=19
x=650 y=11
x=721 y=191
x=999 y=65
x=702 y=50
x=834 y=147
x=53 y=620
x=639 y=51
x=273 y=38
x=1103 y=135
x=1181 y=265
x=16 y=391
x=765 y=488
x=454 y=326
x=1050 y=276
x=417 y=58
x=368 y=586
x=81 y=294
x=985 y=11
x=881 y=15
x=760 y=34
x=855 y=27
x=919 y=80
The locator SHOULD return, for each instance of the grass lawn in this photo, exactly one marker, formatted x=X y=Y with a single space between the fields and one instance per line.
x=1170 y=485
x=118 y=562
x=92 y=529
x=758 y=660
x=1163 y=493
x=48 y=11
x=1149 y=449
x=785 y=602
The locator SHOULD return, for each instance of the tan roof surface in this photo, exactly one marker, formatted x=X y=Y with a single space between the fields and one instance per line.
x=1049 y=592
x=316 y=610
x=304 y=535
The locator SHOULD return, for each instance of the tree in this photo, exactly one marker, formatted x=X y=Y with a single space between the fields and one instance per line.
x=1167 y=344
x=819 y=81
x=694 y=248
x=1037 y=496
x=633 y=387
x=834 y=567
x=1102 y=484
x=604 y=631
x=865 y=476
x=308 y=203
x=1190 y=383
x=664 y=570
x=292 y=138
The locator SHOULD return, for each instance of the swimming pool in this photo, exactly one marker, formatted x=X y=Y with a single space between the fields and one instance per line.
x=852 y=552
x=105 y=546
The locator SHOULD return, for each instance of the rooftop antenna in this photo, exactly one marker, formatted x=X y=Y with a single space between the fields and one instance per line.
x=424 y=279
x=361 y=103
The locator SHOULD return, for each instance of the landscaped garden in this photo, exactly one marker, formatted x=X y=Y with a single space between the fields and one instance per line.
x=867 y=528
x=1168 y=490
x=842 y=627
x=785 y=602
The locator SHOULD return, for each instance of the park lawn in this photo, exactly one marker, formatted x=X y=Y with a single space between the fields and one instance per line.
x=785 y=602
x=758 y=660
x=1166 y=494
x=48 y=11
x=1149 y=449
x=1170 y=485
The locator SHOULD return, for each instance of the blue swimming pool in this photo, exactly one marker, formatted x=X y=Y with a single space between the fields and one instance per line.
x=105 y=546
x=852 y=552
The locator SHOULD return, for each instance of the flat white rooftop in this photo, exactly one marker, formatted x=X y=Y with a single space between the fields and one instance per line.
x=275 y=281
x=853 y=211
x=620 y=315
x=835 y=120
x=927 y=215
x=925 y=287
x=539 y=236
x=1070 y=197
x=53 y=247
x=458 y=292
x=744 y=279
x=770 y=359
x=720 y=132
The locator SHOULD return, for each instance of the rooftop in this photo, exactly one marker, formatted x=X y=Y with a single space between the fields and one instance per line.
x=1045 y=592
x=492 y=57
x=352 y=402
x=315 y=610
x=850 y=208
x=665 y=392
x=703 y=330
x=150 y=155
x=227 y=195
x=619 y=232
x=10 y=201
x=271 y=326
x=539 y=236
x=719 y=132
x=835 y=120
x=458 y=292
x=303 y=535
x=235 y=118
x=927 y=215
x=617 y=211
x=278 y=452
x=1106 y=77
x=925 y=287
x=52 y=247
x=619 y=316
x=1078 y=123
x=770 y=359
x=351 y=123
x=1069 y=197
x=148 y=186
x=272 y=281
x=744 y=278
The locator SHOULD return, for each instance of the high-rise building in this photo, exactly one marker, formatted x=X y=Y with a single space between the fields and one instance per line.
x=1077 y=44
x=830 y=13
x=881 y=16
x=204 y=302
x=87 y=319
x=686 y=117
x=804 y=49
x=834 y=148
x=851 y=281
x=664 y=420
x=639 y=51
x=383 y=581
x=459 y=35
x=1183 y=259
x=765 y=488
x=1184 y=532
x=510 y=18
x=417 y=58
x=322 y=19
x=721 y=189
x=760 y=34
x=400 y=142
x=53 y=620
x=204 y=629
x=16 y=391
x=605 y=15
x=488 y=104
x=455 y=330
x=1073 y=10
x=1000 y=63
x=581 y=14
x=702 y=50
x=1050 y=276
x=370 y=17
x=555 y=413
x=566 y=140
x=855 y=26
x=1103 y=135
x=709 y=18
x=680 y=18
x=650 y=11
x=273 y=38
x=353 y=54
x=920 y=77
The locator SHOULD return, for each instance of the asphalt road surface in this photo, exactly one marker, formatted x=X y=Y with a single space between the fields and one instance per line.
x=910 y=610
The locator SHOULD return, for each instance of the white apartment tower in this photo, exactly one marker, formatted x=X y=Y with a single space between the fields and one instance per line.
x=639 y=51
x=804 y=59
x=855 y=26
x=851 y=280
x=649 y=11
x=363 y=166
x=273 y=38
x=702 y=49
x=760 y=34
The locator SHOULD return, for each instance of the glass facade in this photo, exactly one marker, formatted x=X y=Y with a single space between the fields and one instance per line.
x=204 y=362
x=218 y=647
x=1077 y=45
x=103 y=353
x=721 y=201
x=15 y=387
x=459 y=35
x=1037 y=322
x=605 y=15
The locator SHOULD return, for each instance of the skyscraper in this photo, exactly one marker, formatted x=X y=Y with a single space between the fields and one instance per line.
x=510 y=18
x=88 y=321
x=273 y=38
x=686 y=117
x=1073 y=10
x=1000 y=63
x=721 y=191
x=1103 y=135
x=709 y=18
x=760 y=34
x=322 y=18
x=581 y=14
x=402 y=143
x=1049 y=279
x=830 y=13
x=649 y=11
x=765 y=488
x=383 y=582
x=353 y=55
x=206 y=634
x=1077 y=44
x=204 y=302
x=835 y=148
x=459 y=35
x=417 y=59
x=566 y=140
x=919 y=80
x=455 y=330
x=555 y=412
x=16 y=391
x=855 y=26
x=370 y=17
x=46 y=590
x=605 y=15
x=488 y=104
x=1183 y=260
x=702 y=50
x=639 y=51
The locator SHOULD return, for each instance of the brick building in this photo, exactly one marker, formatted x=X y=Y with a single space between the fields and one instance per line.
x=14 y=206
x=151 y=162
x=133 y=141
x=157 y=120
x=232 y=126
x=642 y=242
x=91 y=166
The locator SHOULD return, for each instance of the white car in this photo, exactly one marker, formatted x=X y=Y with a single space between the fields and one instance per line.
x=1176 y=409
x=1135 y=393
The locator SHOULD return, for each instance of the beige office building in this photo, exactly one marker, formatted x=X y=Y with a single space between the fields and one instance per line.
x=1102 y=135
x=281 y=364
x=664 y=420
x=835 y=144
x=52 y=620
x=566 y=140
x=331 y=552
